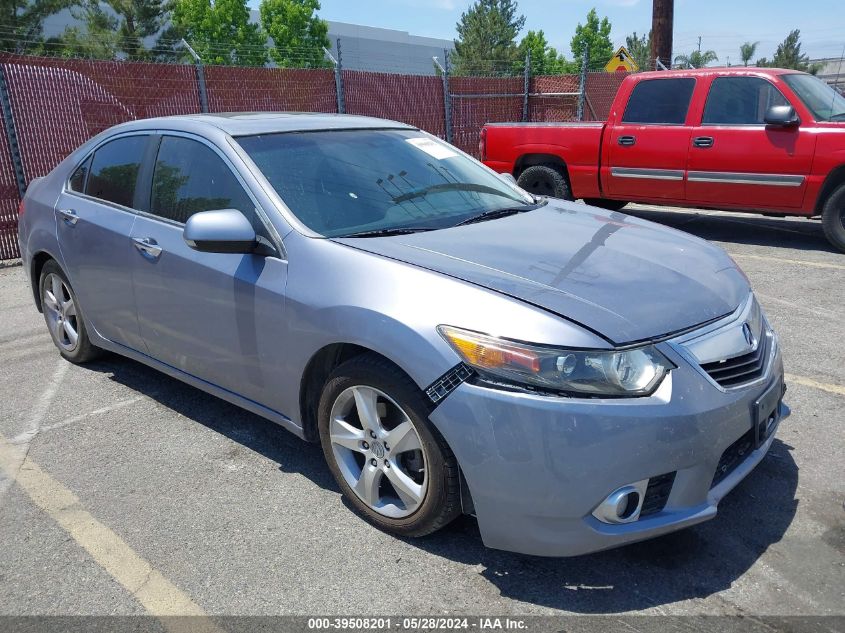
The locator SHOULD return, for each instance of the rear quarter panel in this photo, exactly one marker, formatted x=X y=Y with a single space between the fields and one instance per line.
x=576 y=144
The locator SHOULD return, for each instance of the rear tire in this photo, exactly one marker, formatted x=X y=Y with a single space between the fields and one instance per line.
x=606 y=203
x=363 y=401
x=63 y=315
x=833 y=218
x=546 y=180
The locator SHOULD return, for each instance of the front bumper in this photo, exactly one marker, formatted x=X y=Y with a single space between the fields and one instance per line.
x=537 y=466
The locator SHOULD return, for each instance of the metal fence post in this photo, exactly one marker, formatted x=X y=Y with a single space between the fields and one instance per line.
x=12 y=134
x=338 y=81
x=200 y=76
x=526 y=86
x=447 y=97
x=582 y=88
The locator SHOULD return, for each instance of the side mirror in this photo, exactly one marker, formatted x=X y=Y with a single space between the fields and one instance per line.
x=782 y=116
x=221 y=231
x=508 y=178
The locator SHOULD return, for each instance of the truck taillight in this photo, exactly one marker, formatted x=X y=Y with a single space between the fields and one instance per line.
x=482 y=144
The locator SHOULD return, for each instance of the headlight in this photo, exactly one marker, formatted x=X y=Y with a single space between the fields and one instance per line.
x=631 y=372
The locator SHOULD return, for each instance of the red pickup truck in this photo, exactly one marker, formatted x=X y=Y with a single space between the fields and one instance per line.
x=744 y=139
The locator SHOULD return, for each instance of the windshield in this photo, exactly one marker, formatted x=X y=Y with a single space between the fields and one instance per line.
x=346 y=182
x=823 y=101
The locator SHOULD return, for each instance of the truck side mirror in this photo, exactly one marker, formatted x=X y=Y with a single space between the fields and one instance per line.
x=782 y=116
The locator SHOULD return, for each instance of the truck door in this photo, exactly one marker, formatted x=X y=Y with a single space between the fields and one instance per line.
x=649 y=146
x=735 y=159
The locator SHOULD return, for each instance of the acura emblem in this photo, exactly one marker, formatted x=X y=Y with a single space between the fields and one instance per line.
x=746 y=332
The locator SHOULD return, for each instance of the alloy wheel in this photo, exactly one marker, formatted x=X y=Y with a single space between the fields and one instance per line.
x=61 y=313
x=378 y=451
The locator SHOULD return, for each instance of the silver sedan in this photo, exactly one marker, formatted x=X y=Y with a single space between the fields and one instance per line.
x=575 y=378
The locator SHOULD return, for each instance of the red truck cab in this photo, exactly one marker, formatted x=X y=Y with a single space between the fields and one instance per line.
x=743 y=139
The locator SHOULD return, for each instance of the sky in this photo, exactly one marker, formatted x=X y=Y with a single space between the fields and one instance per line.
x=722 y=24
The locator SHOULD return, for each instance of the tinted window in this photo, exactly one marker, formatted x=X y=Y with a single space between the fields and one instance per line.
x=190 y=177
x=350 y=181
x=740 y=100
x=659 y=101
x=77 y=180
x=114 y=170
x=823 y=101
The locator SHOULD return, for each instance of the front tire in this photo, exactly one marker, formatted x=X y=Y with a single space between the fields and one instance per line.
x=546 y=180
x=388 y=459
x=833 y=218
x=64 y=316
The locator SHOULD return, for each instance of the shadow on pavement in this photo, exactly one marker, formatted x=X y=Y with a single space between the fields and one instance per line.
x=693 y=563
x=791 y=232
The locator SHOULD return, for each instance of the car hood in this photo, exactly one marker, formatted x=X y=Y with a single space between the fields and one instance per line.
x=624 y=278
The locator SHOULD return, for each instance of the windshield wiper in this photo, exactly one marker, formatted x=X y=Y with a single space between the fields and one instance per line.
x=494 y=214
x=837 y=116
x=406 y=230
x=450 y=186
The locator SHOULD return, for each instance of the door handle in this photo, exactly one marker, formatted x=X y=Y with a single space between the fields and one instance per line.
x=703 y=141
x=147 y=246
x=627 y=140
x=69 y=216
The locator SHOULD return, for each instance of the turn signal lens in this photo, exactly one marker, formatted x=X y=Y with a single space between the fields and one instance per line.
x=632 y=372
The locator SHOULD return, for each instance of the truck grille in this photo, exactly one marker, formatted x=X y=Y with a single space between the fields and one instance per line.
x=732 y=372
x=733 y=456
x=657 y=494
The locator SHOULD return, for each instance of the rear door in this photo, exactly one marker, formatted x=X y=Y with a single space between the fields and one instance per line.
x=95 y=213
x=736 y=159
x=216 y=316
x=649 y=145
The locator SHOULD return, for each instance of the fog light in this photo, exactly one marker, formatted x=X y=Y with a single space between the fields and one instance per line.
x=623 y=505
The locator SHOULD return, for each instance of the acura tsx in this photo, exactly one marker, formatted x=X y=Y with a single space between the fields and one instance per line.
x=575 y=378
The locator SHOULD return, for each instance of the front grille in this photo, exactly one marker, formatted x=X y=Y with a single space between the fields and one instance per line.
x=733 y=456
x=732 y=372
x=657 y=493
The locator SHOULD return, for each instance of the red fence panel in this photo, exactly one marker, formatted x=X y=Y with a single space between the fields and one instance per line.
x=8 y=201
x=233 y=89
x=60 y=103
x=601 y=91
x=480 y=100
x=555 y=98
x=413 y=99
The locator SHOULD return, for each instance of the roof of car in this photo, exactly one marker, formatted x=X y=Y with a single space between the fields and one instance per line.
x=755 y=71
x=246 y=123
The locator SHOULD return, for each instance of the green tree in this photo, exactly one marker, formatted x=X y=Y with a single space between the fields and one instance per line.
x=487 y=37
x=594 y=36
x=219 y=31
x=23 y=23
x=747 y=50
x=545 y=60
x=97 y=39
x=640 y=48
x=789 y=55
x=696 y=59
x=298 y=35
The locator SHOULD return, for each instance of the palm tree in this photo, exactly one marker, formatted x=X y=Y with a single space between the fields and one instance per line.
x=747 y=50
x=696 y=59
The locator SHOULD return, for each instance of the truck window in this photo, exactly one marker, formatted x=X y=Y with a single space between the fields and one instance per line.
x=660 y=101
x=740 y=101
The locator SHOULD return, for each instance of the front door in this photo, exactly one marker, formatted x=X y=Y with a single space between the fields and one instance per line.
x=735 y=159
x=94 y=220
x=216 y=316
x=648 y=147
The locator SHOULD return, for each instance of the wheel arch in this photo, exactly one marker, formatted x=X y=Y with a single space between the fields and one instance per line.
x=530 y=160
x=36 y=265
x=834 y=179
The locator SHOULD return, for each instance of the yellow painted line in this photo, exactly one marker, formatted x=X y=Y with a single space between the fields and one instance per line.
x=809 y=382
x=157 y=594
x=799 y=262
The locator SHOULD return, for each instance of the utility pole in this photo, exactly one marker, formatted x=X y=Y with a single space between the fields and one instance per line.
x=662 y=22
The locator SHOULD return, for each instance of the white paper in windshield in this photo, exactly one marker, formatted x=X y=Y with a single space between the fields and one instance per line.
x=432 y=148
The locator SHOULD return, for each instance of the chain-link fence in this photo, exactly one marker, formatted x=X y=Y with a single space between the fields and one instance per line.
x=52 y=104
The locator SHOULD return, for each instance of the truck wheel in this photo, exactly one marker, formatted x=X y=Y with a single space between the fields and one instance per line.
x=546 y=180
x=833 y=218
x=604 y=203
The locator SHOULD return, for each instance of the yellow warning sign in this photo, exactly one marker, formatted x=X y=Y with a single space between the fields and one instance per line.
x=621 y=62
